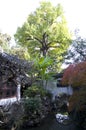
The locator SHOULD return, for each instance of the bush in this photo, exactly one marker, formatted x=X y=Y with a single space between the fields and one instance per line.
x=34 y=91
x=32 y=104
x=36 y=105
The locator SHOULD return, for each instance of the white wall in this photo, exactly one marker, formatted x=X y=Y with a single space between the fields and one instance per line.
x=52 y=87
x=12 y=99
x=18 y=92
x=7 y=101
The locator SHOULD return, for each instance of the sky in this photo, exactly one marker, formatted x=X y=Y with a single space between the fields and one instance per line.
x=13 y=13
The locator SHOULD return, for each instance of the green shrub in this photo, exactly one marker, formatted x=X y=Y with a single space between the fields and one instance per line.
x=32 y=104
x=34 y=91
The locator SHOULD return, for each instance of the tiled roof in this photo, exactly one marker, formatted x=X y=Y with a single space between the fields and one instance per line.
x=13 y=67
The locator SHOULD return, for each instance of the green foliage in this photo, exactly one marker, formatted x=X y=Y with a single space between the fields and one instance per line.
x=21 y=52
x=42 y=66
x=5 y=42
x=5 y=45
x=42 y=62
x=34 y=91
x=32 y=104
x=45 y=33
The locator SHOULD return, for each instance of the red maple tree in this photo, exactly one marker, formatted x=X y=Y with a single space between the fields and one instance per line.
x=75 y=75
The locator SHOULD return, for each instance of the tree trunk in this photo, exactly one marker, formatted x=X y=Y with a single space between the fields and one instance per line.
x=44 y=48
x=44 y=52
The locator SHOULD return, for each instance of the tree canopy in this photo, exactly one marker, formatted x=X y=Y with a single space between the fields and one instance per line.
x=20 y=52
x=45 y=32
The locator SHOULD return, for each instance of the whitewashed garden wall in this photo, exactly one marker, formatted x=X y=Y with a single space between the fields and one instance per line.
x=51 y=86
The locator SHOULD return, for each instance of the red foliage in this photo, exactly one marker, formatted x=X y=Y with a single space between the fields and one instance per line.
x=67 y=76
x=77 y=101
x=75 y=75
x=72 y=102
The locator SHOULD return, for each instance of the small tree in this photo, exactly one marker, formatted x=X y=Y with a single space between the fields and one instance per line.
x=42 y=68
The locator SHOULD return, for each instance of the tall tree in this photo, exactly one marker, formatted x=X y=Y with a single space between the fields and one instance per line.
x=45 y=32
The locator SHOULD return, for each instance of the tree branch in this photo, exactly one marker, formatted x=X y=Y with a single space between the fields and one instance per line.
x=34 y=38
